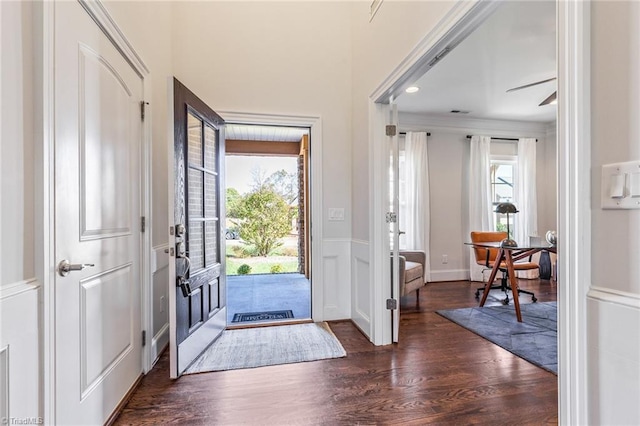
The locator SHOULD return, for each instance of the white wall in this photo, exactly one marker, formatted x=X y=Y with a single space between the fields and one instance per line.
x=148 y=27
x=614 y=297
x=448 y=149
x=378 y=47
x=16 y=149
x=19 y=291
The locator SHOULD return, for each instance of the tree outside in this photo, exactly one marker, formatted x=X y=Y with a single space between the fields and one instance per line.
x=263 y=216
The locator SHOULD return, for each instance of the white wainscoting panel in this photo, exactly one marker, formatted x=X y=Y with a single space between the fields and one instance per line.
x=361 y=286
x=19 y=351
x=336 y=276
x=614 y=351
x=4 y=383
x=159 y=296
x=450 y=275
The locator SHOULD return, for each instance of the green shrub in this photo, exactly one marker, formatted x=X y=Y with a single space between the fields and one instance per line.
x=276 y=269
x=242 y=251
x=244 y=269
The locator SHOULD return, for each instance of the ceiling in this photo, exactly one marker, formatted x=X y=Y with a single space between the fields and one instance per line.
x=265 y=133
x=513 y=47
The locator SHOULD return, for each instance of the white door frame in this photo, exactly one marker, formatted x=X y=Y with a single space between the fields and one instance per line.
x=45 y=184
x=315 y=180
x=574 y=219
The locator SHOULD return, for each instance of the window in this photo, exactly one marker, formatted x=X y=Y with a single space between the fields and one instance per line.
x=502 y=179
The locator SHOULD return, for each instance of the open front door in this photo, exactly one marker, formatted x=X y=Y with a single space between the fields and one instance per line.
x=197 y=299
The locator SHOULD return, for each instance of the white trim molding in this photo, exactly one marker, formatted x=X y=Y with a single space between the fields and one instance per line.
x=19 y=287
x=159 y=303
x=449 y=275
x=622 y=298
x=467 y=125
x=315 y=149
x=574 y=209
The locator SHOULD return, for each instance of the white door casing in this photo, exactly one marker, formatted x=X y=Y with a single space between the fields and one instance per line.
x=394 y=230
x=98 y=207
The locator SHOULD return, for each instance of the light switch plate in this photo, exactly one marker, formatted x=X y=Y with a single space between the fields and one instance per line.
x=336 y=214
x=621 y=185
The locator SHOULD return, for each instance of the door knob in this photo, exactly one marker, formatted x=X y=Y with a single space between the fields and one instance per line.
x=64 y=267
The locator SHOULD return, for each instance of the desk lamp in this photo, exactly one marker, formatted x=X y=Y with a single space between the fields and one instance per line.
x=507 y=208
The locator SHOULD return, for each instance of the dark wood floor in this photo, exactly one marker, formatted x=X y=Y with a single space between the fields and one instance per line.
x=440 y=373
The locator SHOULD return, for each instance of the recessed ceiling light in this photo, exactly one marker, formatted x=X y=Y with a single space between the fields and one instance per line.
x=412 y=89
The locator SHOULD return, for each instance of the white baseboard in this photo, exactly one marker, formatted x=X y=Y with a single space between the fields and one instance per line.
x=159 y=342
x=450 y=275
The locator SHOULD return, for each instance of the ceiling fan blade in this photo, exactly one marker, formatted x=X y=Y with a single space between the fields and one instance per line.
x=550 y=100
x=531 y=84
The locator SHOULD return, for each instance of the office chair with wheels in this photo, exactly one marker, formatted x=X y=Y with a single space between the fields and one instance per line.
x=486 y=257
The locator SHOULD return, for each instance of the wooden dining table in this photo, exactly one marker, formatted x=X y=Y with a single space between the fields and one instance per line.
x=505 y=259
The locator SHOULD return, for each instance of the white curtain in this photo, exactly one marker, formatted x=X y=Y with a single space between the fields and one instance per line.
x=480 y=203
x=414 y=205
x=526 y=219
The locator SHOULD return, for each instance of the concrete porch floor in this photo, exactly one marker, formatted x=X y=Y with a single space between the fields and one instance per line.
x=268 y=292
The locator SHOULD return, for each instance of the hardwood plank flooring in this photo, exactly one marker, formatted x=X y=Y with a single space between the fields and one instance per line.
x=439 y=373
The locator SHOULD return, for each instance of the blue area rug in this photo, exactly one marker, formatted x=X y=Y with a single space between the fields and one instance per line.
x=534 y=339
x=262 y=316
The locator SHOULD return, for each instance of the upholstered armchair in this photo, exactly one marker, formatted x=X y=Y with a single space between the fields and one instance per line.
x=412 y=268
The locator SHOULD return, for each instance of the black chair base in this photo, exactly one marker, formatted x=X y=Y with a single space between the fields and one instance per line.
x=506 y=288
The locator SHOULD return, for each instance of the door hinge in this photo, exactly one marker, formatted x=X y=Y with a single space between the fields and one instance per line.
x=144 y=337
x=391 y=129
x=143 y=108
x=391 y=217
x=392 y=304
x=143 y=224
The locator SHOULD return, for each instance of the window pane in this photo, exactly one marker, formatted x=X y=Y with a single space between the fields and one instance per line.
x=196 y=246
x=195 y=193
x=211 y=242
x=210 y=202
x=194 y=135
x=210 y=145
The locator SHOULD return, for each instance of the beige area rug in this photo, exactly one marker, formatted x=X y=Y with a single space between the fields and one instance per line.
x=258 y=347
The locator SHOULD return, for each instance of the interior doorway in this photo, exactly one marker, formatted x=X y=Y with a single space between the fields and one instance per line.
x=267 y=228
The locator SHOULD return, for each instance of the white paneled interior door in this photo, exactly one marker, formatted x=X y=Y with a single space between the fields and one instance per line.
x=98 y=131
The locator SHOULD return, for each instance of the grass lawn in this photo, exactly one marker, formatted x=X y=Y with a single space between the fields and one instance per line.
x=262 y=265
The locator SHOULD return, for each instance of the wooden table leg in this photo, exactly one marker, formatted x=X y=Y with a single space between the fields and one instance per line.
x=494 y=272
x=514 y=283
